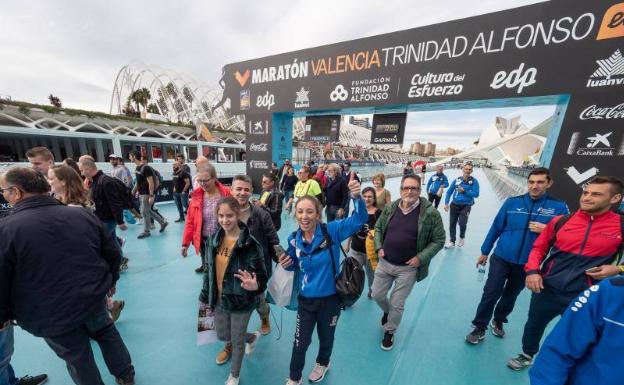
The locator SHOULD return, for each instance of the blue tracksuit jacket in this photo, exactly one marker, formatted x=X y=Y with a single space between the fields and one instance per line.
x=587 y=344
x=511 y=226
x=462 y=198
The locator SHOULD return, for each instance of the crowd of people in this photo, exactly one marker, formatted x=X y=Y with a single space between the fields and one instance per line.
x=75 y=210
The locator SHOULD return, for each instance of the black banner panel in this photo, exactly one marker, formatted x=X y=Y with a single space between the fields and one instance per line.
x=559 y=47
x=324 y=128
x=388 y=128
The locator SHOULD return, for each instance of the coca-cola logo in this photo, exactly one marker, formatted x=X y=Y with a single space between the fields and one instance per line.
x=595 y=112
x=259 y=147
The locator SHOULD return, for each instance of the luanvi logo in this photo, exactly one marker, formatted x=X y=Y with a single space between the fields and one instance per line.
x=612 y=23
x=302 y=100
x=595 y=112
x=610 y=72
x=518 y=78
x=242 y=79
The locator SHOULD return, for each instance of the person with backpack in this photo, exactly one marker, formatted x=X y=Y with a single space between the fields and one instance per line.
x=408 y=235
x=234 y=276
x=314 y=250
x=516 y=226
x=571 y=254
x=147 y=183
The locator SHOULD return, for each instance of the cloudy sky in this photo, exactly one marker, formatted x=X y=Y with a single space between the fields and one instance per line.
x=74 y=49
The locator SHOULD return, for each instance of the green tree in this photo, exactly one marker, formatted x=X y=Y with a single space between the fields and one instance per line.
x=55 y=101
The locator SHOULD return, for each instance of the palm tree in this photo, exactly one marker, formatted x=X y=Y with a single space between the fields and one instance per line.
x=141 y=97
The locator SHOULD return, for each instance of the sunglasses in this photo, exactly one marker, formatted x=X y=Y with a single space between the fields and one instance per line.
x=410 y=188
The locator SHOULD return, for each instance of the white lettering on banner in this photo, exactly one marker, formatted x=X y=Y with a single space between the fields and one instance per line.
x=595 y=112
x=597 y=145
x=610 y=71
x=423 y=85
x=555 y=31
x=370 y=89
x=339 y=93
x=259 y=164
x=393 y=139
x=515 y=78
x=267 y=100
x=292 y=70
x=259 y=147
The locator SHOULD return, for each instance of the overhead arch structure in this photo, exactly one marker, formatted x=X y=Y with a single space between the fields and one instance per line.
x=179 y=98
x=568 y=53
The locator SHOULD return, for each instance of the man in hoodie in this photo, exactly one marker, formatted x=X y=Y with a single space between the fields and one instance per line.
x=461 y=196
x=581 y=247
x=580 y=349
x=516 y=226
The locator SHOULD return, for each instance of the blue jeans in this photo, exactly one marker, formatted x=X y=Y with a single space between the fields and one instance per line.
x=7 y=376
x=111 y=226
x=182 y=201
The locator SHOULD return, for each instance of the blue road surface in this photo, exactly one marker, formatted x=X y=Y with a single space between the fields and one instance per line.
x=159 y=322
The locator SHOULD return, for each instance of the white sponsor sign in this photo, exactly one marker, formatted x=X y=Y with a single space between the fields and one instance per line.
x=518 y=78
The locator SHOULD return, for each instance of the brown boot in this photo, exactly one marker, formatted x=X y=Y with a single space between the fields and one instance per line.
x=266 y=326
x=225 y=354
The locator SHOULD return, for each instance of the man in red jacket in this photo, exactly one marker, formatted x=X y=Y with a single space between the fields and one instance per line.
x=581 y=248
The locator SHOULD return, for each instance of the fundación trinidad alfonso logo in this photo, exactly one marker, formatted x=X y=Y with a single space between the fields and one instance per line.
x=612 y=23
x=242 y=79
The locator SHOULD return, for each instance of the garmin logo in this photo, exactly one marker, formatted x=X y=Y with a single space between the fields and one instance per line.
x=391 y=140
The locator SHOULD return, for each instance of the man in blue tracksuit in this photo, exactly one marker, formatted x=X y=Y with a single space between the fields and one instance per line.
x=436 y=184
x=586 y=345
x=463 y=191
x=516 y=226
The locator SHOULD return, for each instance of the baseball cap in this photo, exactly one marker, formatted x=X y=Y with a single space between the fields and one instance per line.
x=114 y=156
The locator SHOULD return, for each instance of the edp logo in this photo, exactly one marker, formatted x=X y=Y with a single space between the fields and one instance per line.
x=267 y=100
x=516 y=78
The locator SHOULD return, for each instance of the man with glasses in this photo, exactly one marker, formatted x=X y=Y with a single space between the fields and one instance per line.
x=408 y=235
x=463 y=191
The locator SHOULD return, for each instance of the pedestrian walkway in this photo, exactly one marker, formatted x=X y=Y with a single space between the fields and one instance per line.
x=159 y=321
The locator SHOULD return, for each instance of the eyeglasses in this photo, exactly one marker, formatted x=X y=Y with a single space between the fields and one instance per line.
x=410 y=188
x=2 y=190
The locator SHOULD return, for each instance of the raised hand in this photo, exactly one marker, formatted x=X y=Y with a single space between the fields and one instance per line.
x=248 y=280
x=355 y=188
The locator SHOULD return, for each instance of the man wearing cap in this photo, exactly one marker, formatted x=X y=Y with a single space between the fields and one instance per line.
x=282 y=171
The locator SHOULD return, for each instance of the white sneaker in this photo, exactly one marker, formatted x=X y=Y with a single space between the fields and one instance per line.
x=249 y=347
x=318 y=373
x=291 y=382
x=461 y=242
x=231 y=380
x=449 y=245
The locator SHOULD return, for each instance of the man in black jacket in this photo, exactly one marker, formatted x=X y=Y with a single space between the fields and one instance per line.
x=62 y=299
x=336 y=194
x=271 y=200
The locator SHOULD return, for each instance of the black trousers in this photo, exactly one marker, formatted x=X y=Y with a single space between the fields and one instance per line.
x=545 y=306
x=75 y=349
x=459 y=214
x=331 y=212
x=435 y=199
x=322 y=313
x=504 y=283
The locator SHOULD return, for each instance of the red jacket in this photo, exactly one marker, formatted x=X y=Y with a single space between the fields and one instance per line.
x=583 y=242
x=195 y=217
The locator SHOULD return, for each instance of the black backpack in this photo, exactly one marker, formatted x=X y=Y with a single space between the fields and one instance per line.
x=123 y=191
x=350 y=281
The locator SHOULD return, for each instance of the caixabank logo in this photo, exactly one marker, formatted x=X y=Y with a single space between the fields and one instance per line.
x=600 y=143
x=612 y=23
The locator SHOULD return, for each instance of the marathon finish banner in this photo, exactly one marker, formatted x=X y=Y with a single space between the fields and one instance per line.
x=388 y=128
x=560 y=47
